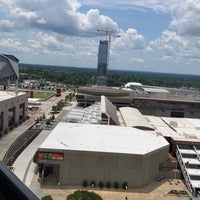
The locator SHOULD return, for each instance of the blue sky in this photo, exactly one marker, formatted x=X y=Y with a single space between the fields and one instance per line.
x=156 y=36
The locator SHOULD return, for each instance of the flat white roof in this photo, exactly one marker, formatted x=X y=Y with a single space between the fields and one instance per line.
x=161 y=127
x=132 y=117
x=155 y=90
x=4 y=95
x=101 y=138
x=182 y=129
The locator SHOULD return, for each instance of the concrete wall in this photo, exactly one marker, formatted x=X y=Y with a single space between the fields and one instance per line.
x=152 y=162
x=164 y=112
x=137 y=170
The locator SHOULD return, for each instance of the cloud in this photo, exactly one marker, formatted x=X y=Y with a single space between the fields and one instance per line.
x=187 y=19
x=185 y=14
x=130 y=39
x=6 y=25
x=67 y=30
x=167 y=58
x=13 y=44
x=138 y=60
x=71 y=48
x=142 y=5
x=169 y=42
x=57 y=16
x=177 y=47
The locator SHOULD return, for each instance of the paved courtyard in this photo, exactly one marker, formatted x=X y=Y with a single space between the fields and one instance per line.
x=154 y=191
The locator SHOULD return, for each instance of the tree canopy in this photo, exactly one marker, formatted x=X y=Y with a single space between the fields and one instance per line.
x=84 y=195
x=87 y=76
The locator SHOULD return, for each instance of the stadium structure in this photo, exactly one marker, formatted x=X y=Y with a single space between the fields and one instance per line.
x=90 y=95
x=149 y=100
x=9 y=70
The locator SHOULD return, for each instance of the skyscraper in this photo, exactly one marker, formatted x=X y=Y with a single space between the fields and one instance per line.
x=103 y=59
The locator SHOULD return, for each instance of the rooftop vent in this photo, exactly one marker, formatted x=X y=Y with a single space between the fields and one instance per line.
x=173 y=123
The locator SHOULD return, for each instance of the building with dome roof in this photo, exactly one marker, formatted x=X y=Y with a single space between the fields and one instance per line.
x=9 y=69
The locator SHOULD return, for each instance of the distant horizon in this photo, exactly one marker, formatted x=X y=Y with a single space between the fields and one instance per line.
x=95 y=68
x=159 y=36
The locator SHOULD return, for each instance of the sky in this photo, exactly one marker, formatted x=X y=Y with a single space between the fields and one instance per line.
x=146 y=35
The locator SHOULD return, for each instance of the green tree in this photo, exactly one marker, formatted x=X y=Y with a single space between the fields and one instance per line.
x=108 y=185
x=84 y=183
x=54 y=108
x=84 y=195
x=100 y=184
x=47 y=197
x=37 y=120
x=48 y=122
x=116 y=185
x=35 y=157
x=52 y=117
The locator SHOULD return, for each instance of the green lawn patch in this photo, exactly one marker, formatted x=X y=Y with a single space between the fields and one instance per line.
x=43 y=95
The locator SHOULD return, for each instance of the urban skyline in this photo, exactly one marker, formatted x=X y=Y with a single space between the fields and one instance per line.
x=159 y=36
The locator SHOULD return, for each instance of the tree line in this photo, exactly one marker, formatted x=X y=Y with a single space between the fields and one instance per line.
x=88 y=76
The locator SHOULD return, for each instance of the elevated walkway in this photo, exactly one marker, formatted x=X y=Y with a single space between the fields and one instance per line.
x=189 y=161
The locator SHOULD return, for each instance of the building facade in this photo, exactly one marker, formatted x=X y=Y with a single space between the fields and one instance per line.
x=13 y=110
x=74 y=153
x=103 y=58
x=9 y=69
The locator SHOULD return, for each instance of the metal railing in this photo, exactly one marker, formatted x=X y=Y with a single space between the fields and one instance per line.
x=184 y=170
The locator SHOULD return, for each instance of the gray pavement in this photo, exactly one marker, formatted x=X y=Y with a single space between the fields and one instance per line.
x=23 y=166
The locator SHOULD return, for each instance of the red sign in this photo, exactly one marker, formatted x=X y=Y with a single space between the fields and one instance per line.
x=50 y=156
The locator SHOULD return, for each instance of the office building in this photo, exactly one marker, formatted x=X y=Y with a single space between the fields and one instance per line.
x=13 y=110
x=103 y=59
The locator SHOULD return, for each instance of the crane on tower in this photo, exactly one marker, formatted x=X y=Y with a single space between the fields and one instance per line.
x=103 y=57
x=109 y=34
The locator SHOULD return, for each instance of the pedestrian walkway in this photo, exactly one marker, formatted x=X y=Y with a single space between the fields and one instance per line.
x=24 y=167
x=24 y=160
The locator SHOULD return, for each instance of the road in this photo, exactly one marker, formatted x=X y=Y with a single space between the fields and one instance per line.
x=7 y=140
